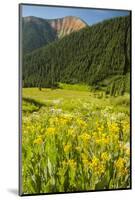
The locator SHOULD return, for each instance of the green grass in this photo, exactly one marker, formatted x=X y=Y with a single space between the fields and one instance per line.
x=76 y=87
x=69 y=99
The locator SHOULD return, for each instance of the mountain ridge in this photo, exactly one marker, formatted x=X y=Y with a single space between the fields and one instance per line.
x=66 y=25
x=38 y=32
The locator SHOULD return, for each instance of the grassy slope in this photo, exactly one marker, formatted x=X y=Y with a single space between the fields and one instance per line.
x=68 y=99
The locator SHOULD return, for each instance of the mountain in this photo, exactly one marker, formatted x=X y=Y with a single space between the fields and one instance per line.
x=38 y=32
x=89 y=56
x=66 y=25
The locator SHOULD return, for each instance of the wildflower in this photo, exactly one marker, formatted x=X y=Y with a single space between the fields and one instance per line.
x=84 y=156
x=50 y=131
x=126 y=127
x=127 y=151
x=63 y=121
x=85 y=162
x=100 y=128
x=95 y=161
x=120 y=167
x=124 y=171
x=72 y=164
x=85 y=137
x=69 y=163
x=71 y=132
x=67 y=148
x=102 y=140
x=113 y=128
x=105 y=156
x=100 y=170
x=120 y=164
x=105 y=140
x=98 y=141
x=96 y=166
x=81 y=123
x=38 y=140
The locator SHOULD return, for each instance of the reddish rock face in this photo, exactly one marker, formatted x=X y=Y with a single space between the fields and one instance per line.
x=66 y=25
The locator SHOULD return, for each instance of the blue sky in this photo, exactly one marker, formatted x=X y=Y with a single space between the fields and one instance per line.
x=90 y=16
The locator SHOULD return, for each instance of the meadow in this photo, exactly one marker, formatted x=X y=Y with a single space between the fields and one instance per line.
x=74 y=139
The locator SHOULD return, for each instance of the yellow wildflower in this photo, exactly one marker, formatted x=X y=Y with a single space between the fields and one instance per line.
x=71 y=132
x=100 y=128
x=126 y=127
x=38 y=140
x=85 y=162
x=72 y=164
x=84 y=156
x=65 y=119
x=96 y=166
x=113 y=127
x=105 y=156
x=128 y=151
x=120 y=164
x=50 y=131
x=124 y=171
x=102 y=140
x=81 y=123
x=95 y=161
x=120 y=167
x=98 y=141
x=67 y=148
x=85 y=137
x=100 y=170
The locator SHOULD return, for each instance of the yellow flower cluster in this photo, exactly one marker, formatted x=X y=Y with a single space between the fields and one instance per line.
x=85 y=163
x=64 y=120
x=81 y=123
x=100 y=128
x=96 y=166
x=71 y=132
x=120 y=165
x=95 y=162
x=67 y=148
x=127 y=151
x=126 y=127
x=113 y=127
x=50 y=131
x=105 y=156
x=38 y=140
x=70 y=163
x=85 y=137
x=102 y=140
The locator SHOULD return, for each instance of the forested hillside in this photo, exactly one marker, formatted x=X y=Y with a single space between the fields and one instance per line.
x=36 y=33
x=90 y=56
